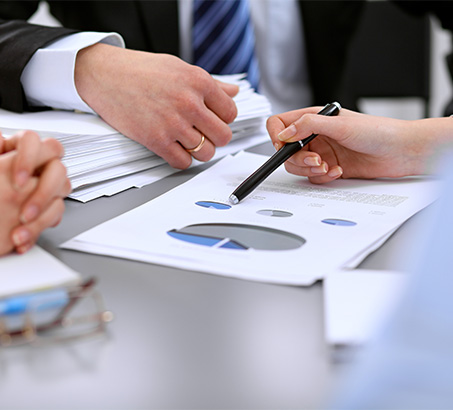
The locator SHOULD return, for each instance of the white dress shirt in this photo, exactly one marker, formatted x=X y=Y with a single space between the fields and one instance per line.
x=48 y=78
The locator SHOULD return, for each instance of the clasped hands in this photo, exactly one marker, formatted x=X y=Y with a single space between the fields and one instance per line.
x=32 y=188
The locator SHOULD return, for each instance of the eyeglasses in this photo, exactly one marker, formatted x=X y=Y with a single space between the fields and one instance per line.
x=53 y=316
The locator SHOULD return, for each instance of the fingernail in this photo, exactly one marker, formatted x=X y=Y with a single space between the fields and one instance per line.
x=277 y=146
x=287 y=133
x=21 y=236
x=312 y=161
x=30 y=213
x=335 y=172
x=24 y=248
x=319 y=170
x=21 y=178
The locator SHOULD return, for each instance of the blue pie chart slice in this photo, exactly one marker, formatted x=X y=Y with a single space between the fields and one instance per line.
x=206 y=240
x=338 y=222
x=213 y=205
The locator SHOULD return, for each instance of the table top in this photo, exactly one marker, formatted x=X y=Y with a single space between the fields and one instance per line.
x=180 y=339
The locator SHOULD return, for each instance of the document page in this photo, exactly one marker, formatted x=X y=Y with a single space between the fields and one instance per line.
x=287 y=231
x=35 y=270
x=357 y=302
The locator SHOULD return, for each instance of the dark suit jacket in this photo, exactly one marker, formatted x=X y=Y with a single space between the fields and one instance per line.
x=153 y=26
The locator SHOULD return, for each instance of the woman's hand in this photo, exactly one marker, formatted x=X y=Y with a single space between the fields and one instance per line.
x=33 y=186
x=354 y=145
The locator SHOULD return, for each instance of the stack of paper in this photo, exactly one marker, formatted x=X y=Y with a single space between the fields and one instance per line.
x=101 y=161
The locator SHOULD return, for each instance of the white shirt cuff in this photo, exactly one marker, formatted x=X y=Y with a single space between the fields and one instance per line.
x=48 y=78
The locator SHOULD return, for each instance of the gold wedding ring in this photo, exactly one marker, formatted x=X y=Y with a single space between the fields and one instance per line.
x=198 y=147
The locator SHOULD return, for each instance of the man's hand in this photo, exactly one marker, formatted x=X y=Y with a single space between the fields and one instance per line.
x=158 y=100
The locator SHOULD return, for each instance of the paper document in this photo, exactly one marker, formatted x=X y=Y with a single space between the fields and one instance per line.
x=54 y=121
x=35 y=270
x=357 y=302
x=148 y=176
x=96 y=154
x=288 y=231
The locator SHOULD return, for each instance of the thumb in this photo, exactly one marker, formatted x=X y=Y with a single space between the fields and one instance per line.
x=332 y=127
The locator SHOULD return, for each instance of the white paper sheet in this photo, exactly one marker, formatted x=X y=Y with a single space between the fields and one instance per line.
x=148 y=176
x=316 y=228
x=358 y=258
x=36 y=270
x=64 y=122
x=357 y=302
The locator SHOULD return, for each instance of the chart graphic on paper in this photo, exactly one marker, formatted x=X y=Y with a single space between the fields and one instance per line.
x=213 y=205
x=238 y=236
x=275 y=213
x=222 y=206
x=338 y=222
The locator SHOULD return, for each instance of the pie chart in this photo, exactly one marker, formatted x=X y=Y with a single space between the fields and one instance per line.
x=238 y=236
x=274 y=213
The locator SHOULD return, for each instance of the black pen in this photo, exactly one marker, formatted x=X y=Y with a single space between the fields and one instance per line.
x=277 y=159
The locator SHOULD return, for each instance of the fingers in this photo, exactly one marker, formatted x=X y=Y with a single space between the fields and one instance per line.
x=333 y=174
x=218 y=132
x=296 y=125
x=274 y=126
x=306 y=125
x=208 y=122
x=231 y=89
x=220 y=102
x=27 y=145
x=317 y=174
x=213 y=118
x=52 y=184
x=277 y=123
x=304 y=163
x=2 y=143
x=25 y=236
x=32 y=153
x=175 y=149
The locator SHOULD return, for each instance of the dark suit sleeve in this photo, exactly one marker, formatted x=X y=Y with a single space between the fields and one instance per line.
x=18 y=42
x=144 y=25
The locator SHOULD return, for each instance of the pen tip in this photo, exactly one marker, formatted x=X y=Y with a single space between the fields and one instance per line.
x=337 y=104
x=233 y=199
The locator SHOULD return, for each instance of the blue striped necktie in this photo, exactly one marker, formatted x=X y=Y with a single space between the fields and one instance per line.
x=223 y=39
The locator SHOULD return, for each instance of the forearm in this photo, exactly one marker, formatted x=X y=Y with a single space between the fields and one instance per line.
x=91 y=65
x=427 y=140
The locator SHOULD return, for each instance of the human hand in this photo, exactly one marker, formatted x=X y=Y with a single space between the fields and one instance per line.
x=354 y=145
x=157 y=100
x=33 y=185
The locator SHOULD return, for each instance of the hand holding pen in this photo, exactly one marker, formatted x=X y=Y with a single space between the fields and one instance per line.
x=278 y=159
